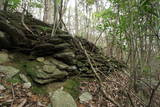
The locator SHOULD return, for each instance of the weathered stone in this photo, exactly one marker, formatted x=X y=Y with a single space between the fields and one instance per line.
x=85 y=97
x=67 y=57
x=50 y=69
x=43 y=81
x=72 y=68
x=40 y=59
x=59 y=64
x=47 y=62
x=48 y=73
x=62 y=46
x=56 y=41
x=3 y=57
x=24 y=78
x=9 y=71
x=69 y=54
x=61 y=98
x=2 y=87
x=54 y=73
x=27 y=85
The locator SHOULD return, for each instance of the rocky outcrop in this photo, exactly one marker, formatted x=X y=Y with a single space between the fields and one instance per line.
x=47 y=58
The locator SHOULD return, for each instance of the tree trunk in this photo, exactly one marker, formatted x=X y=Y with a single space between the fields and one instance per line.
x=76 y=18
x=1 y=4
x=48 y=10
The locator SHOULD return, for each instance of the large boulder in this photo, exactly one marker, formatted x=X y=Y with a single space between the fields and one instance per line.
x=85 y=97
x=61 y=98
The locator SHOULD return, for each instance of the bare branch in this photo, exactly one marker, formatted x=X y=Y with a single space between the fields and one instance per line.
x=153 y=93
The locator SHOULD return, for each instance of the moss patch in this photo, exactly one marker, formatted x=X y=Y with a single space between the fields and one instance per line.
x=31 y=68
x=72 y=87
x=38 y=90
x=44 y=28
x=26 y=66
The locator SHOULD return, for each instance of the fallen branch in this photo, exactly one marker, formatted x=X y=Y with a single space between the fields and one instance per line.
x=130 y=99
x=102 y=89
x=22 y=103
x=139 y=99
x=98 y=39
x=23 y=23
x=13 y=95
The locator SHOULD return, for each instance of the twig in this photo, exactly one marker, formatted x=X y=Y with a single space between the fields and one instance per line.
x=13 y=95
x=98 y=39
x=89 y=60
x=141 y=101
x=130 y=99
x=23 y=103
x=102 y=89
x=64 y=25
x=22 y=20
x=153 y=93
x=145 y=83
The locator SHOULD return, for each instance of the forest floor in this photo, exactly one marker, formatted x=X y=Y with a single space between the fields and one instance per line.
x=116 y=86
x=17 y=95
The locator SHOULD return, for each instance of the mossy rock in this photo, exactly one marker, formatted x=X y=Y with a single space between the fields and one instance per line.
x=31 y=68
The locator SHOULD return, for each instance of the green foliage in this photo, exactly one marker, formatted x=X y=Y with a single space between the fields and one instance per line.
x=108 y=13
x=30 y=68
x=15 y=79
x=146 y=69
x=38 y=90
x=13 y=4
x=146 y=7
x=36 y=5
x=158 y=57
x=90 y=2
x=125 y=16
x=44 y=28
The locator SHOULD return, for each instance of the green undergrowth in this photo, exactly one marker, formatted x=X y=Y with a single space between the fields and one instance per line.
x=44 y=28
x=38 y=89
x=15 y=79
x=72 y=86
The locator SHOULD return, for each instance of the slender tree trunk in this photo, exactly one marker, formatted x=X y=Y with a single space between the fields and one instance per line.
x=55 y=18
x=76 y=17
x=68 y=20
x=60 y=15
x=48 y=12
x=2 y=4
